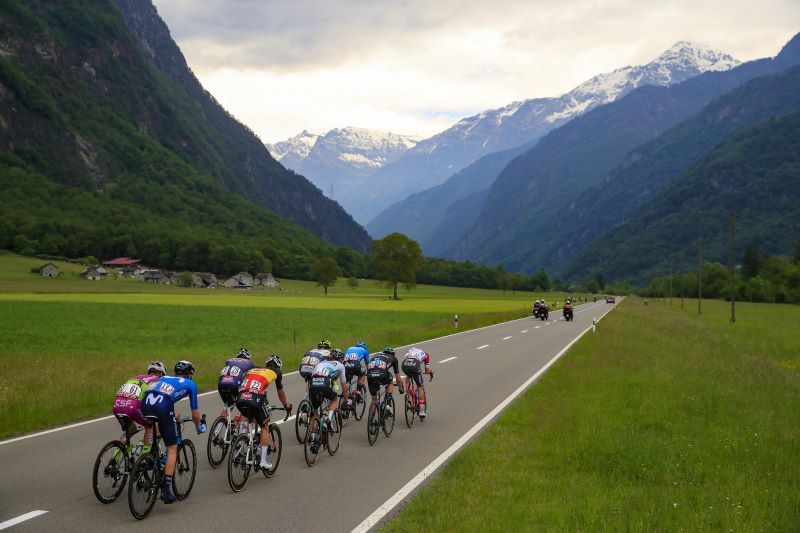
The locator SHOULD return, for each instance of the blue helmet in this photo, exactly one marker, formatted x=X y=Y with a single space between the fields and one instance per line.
x=361 y=344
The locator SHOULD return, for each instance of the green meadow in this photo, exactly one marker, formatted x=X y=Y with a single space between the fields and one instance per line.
x=661 y=421
x=77 y=340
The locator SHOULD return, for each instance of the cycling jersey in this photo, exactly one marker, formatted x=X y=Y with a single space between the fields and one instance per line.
x=355 y=360
x=413 y=362
x=378 y=371
x=330 y=374
x=310 y=360
x=159 y=403
x=257 y=380
x=128 y=401
x=233 y=372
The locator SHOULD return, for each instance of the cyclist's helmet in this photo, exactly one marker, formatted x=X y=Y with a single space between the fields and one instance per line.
x=337 y=354
x=157 y=366
x=388 y=351
x=275 y=361
x=184 y=368
x=244 y=353
x=326 y=345
x=361 y=344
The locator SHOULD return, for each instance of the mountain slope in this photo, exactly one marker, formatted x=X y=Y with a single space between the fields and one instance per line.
x=422 y=216
x=648 y=169
x=91 y=148
x=342 y=158
x=537 y=187
x=209 y=138
x=433 y=160
x=755 y=175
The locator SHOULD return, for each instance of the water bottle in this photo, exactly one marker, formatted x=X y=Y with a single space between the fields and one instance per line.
x=164 y=458
x=138 y=450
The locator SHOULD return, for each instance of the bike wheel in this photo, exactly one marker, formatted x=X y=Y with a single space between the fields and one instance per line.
x=301 y=420
x=185 y=470
x=143 y=486
x=217 y=446
x=409 y=403
x=345 y=410
x=388 y=419
x=373 y=424
x=335 y=433
x=361 y=402
x=276 y=445
x=110 y=471
x=238 y=469
x=315 y=443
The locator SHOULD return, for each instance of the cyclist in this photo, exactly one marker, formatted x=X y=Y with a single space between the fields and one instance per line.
x=128 y=404
x=159 y=402
x=356 y=359
x=378 y=374
x=413 y=362
x=231 y=376
x=253 y=403
x=328 y=381
x=311 y=359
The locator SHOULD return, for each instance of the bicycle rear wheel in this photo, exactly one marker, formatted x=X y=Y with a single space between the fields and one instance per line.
x=276 y=445
x=185 y=470
x=409 y=403
x=361 y=402
x=335 y=435
x=345 y=410
x=301 y=420
x=311 y=447
x=373 y=424
x=238 y=469
x=217 y=446
x=110 y=471
x=143 y=486
x=388 y=419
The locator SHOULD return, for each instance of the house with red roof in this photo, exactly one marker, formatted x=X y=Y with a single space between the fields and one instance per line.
x=121 y=262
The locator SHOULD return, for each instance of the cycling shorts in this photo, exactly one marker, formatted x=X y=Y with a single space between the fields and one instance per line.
x=376 y=378
x=316 y=393
x=254 y=406
x=351 y=370
x=162 y=409
x=128 y=410
x=229 y=393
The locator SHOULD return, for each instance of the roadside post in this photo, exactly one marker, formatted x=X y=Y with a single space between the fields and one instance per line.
x=455 y=322
x=594 y=324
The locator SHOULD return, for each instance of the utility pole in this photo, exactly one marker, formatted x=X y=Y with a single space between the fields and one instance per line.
x=700 y=279
x=733 y=268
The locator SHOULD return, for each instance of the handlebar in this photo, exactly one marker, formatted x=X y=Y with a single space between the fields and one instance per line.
x=287 y=409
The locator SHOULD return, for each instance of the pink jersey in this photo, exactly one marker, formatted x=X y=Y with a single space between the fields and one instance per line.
x=128 y=401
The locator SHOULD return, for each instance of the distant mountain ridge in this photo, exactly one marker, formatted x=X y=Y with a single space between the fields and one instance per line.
x=341 y=158
x=518 y=223
x=433 y=160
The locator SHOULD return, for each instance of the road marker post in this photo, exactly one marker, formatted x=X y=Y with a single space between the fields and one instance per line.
x=455 y=322
x=594 y=324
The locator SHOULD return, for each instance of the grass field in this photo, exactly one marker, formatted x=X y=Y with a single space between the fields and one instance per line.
x=67 y=343
x=662 y=421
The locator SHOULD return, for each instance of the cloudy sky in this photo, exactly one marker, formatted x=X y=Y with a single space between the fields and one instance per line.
x=417 y=66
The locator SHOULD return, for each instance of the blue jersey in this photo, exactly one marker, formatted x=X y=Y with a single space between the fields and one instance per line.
x=176 y=388
x=355 y=354
x=233 y=372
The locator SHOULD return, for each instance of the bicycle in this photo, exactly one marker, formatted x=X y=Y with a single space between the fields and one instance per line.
x=245 y=456
x=302 y=418
x=412 y=401
x=358 y=394
x=380 y=418
x=322 y=433
x=147 y=473
x=112 y=466
x=221 y=436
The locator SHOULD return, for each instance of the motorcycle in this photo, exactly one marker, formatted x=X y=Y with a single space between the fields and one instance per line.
x=535 y=311
x=568 y=314
x=544 y=314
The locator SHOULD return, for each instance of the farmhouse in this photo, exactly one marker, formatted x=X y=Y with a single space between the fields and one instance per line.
x=242 y=280
x=49 y=270
x=94 y=273
x=266 y=280
x=121 y=262
x=156 y=276
x=205 y=280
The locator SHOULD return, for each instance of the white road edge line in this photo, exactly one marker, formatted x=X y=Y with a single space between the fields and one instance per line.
x=506 y=338
x=20 y=519
x=448 y=359
x=390 y=504
x=482 y=347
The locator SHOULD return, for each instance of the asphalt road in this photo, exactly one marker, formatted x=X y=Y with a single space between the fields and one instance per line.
x=52 y=472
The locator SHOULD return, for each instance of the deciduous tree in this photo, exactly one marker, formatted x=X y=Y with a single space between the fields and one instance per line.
x=398 y=258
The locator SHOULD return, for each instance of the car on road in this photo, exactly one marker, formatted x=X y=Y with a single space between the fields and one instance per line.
x=610 y=300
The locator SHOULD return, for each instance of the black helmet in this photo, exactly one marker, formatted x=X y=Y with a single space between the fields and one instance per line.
x=244 y=353
x=274 y=360
x=184 y=368
x=337 y=354
x=388 y=351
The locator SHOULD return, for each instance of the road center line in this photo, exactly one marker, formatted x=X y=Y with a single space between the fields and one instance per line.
x=537 y=327
x=20 y=519
x=506 y=338
x=401 y=494
x=448 y=359
x=524 y=331
x=482 y=347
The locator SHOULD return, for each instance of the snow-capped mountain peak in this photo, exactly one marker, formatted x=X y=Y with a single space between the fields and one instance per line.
x=293 y=150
